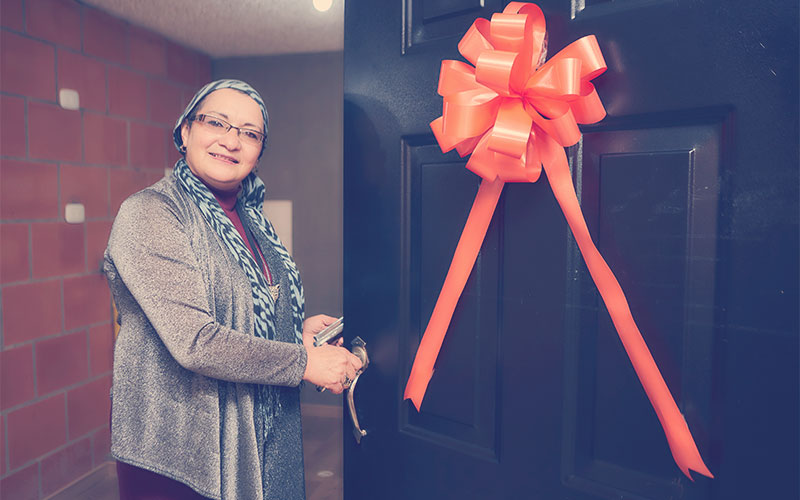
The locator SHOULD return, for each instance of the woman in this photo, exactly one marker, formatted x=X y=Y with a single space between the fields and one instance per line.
x=213 y=343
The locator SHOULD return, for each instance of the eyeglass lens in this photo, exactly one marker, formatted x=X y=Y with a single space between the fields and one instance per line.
x=220 y=127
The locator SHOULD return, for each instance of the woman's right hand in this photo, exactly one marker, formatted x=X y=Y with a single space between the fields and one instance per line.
x=330 y=366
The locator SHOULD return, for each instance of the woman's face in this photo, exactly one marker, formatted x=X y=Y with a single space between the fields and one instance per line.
x=223 y=161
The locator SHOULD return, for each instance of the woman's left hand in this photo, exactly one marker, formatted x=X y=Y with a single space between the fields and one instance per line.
x=314 y=325
x=329 y=366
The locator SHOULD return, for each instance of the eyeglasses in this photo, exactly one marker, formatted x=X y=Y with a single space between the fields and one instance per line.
x=218 y=126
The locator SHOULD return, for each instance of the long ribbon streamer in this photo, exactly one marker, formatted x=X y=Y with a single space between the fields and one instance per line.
x=681 y=444
x=480 y=215
x=513 y=114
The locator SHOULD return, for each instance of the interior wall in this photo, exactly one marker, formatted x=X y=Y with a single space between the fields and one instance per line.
x=55 y=335
x=303 y=164
x=303 y=159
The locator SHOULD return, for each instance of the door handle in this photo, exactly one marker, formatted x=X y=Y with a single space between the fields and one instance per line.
x=359 y=348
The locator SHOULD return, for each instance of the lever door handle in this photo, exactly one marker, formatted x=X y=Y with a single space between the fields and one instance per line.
x=359 y=348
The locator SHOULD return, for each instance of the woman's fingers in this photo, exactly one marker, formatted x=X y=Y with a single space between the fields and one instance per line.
x=355 y=361
x=331 y=367
x=317 y=323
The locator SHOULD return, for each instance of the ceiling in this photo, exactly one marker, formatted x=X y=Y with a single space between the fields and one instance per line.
x=228 y=28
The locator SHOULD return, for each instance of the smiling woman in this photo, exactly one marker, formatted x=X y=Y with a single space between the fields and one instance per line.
x=222 y=159
x=213 y=341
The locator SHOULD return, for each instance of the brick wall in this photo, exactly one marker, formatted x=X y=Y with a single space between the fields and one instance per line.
x=56 y=334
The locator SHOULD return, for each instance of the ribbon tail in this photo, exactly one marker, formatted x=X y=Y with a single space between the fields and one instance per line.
x=681 y=443
x=469 y=245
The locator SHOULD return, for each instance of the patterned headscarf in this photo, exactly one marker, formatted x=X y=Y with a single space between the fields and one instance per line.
x=211 y=87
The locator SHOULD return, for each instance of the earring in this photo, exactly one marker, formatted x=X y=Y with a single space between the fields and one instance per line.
x=182 y=149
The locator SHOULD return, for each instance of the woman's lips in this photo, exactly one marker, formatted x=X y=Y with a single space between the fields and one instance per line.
x=225 y=158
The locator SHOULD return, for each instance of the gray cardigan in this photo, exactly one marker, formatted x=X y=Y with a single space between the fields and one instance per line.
x=185 y=359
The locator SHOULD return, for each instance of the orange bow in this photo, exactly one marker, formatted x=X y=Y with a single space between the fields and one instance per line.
x=496 y=110
x=515 y=115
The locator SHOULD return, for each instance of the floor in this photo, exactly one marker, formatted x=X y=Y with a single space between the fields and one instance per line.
x=322 y=446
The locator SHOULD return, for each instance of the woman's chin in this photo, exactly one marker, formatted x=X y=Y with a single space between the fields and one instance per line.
x=225 y=184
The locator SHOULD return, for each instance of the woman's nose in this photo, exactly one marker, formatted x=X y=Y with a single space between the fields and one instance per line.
x=230 y=139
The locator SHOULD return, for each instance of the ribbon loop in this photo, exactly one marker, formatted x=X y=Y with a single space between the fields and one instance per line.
x=512 y=129
x=588 y=108
x=475 y=41
x=499 y=70
x=467 y=114
x=508 y=31
x=588 y=51
x=456 y=76
x=557 y=78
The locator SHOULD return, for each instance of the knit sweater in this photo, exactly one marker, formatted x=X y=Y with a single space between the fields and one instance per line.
x=186 y=360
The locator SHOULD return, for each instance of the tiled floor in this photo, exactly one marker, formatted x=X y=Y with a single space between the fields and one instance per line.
x=322 y=446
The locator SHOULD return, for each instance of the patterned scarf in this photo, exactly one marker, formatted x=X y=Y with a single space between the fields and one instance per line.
x=250 y=200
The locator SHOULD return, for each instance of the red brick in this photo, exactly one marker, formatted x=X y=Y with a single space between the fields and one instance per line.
x=123 y=184
x=188 y=94
x=35 y=430
x=84 y=74
x=61 y=361
x=28 y=190
x=89 y=407
x=87 y=185
x=16 y=367
x=149 y=146
x=101 y=349
x=172 y=154
x=12 y=123
x=86 y=300
x=97 y=233
x=58 y=249
x=181 y=64
x=31 y=311
x=14 y=253
x=105 y=139
x=55 y=20
x=54 y=133
x=127 y=93
x=11 y=14
x=154 y=176
x=27 y=66
x=101 y=442
x=23 y=484
x=64 y=466
x=166 y=103
x=148 y=51
x=3 y=448
x=105 y=36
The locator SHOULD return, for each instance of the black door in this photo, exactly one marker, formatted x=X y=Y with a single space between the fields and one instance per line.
x=690 y=190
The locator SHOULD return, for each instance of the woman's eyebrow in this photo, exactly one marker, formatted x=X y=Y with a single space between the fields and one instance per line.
x=223 y=115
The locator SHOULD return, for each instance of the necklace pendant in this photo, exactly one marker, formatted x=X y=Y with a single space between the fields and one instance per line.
x=274 y=290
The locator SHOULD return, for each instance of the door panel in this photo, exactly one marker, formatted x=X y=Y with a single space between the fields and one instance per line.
x=650 y=192
x=463 y=404
x=435 y=24
x=690 y=190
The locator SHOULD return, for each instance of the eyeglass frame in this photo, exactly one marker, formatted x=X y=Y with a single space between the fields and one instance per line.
x=201 y=117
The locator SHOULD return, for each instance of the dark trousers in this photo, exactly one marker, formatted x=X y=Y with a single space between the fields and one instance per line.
x=136 y=483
